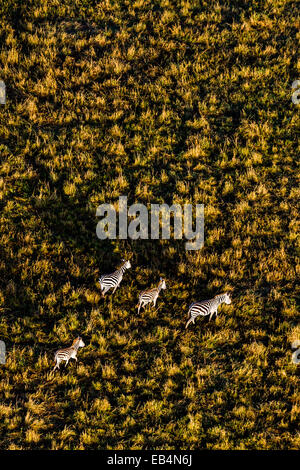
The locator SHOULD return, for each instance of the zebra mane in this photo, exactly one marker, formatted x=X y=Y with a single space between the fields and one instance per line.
x=123 y=267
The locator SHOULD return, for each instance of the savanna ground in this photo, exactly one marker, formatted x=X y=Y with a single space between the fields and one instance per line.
x=162 y=101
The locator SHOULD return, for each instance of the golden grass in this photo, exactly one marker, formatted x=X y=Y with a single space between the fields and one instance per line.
x=164 y=102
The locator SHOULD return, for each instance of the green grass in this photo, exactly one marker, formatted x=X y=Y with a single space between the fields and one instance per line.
x=186 y=102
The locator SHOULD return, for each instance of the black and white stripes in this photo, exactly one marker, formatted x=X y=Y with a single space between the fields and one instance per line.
x=68 y=353
x=151 y=295
x=107 y=281
x=113 y=280
x=207 y=307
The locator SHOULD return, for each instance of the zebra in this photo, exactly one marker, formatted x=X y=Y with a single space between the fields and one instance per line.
x=68 y=353
x=113 y=280
x=296 y=354
x=150 y=295
x=207 y=307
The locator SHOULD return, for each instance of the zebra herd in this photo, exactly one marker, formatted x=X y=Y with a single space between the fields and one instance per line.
x=113 y=280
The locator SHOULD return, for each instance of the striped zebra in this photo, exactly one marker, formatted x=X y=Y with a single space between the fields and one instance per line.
x=151 y=295
x=207 y=307
x=68 y=353
x=113 y=280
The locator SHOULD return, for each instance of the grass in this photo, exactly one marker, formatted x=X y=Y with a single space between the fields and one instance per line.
x=161 y=101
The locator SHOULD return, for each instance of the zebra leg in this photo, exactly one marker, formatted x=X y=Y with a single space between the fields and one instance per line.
x=211 y=315
x=56 y=365
x=189 y=321
x=139 y=307
x=117 y=285
x=106 y=289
